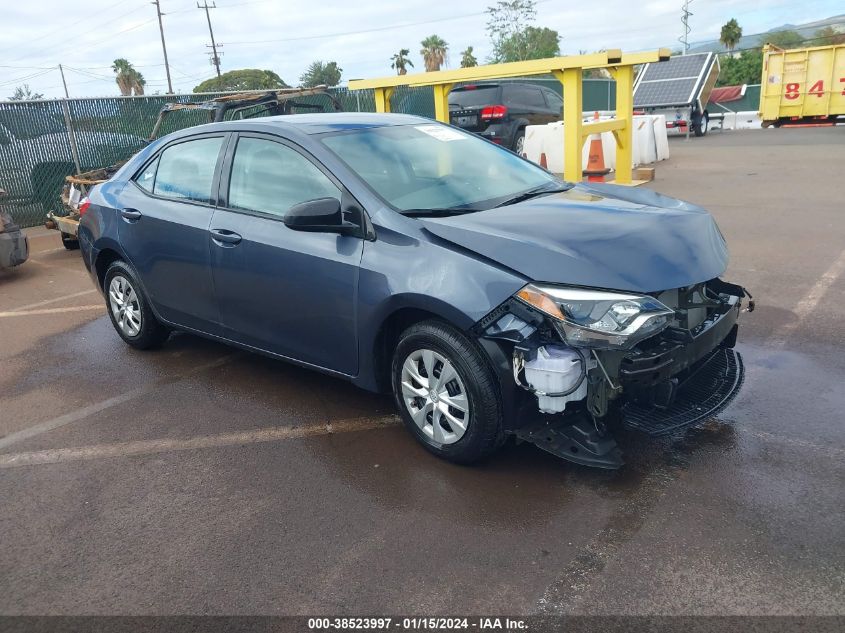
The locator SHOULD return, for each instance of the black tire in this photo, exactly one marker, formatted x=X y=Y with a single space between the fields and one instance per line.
x=701 y=125
x=518 y=140
x=70 y=242
x=483 y=434
x=151 y=333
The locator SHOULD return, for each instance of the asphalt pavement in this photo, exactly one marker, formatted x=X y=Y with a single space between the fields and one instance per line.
x=198 y=479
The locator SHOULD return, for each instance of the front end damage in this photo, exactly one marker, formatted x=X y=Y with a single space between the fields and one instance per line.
x=584 y=362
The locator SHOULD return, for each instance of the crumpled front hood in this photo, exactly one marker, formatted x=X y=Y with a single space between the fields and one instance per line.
x=604 y=236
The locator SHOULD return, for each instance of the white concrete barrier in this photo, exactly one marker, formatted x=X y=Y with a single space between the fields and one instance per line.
x=746 y=120
x=649 y=142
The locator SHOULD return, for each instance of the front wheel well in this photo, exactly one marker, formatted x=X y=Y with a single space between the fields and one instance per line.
x=388 y=337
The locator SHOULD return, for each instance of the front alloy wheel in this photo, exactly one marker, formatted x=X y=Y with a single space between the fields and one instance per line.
x=446 y=392
x=435 y=396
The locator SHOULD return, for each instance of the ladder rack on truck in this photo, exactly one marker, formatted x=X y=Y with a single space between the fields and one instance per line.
x=679 y=89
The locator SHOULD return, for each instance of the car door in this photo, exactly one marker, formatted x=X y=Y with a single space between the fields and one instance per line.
x=166 y=211
x=285 y=291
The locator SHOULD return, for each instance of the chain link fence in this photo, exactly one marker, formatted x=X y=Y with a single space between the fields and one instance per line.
x=42 y=142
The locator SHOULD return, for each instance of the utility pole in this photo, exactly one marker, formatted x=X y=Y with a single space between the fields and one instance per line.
x=163 y=47
x=685 y=14
x=215 y=58
x=64 y=83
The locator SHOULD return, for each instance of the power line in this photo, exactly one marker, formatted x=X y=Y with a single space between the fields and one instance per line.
x=65 y=27
x=215 y=58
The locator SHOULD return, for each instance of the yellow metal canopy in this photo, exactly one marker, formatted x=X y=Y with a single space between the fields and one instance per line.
x=569 y=71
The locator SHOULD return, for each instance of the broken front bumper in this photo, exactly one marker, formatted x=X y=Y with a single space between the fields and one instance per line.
x=707 y=389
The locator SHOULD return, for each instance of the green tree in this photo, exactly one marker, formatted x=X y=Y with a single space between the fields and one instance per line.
x=244 y=79
x=129 y=81
x=530 y=43
x=731 y=32
x=783 y=39
x=827 y=37
x=321 y=73
x=400 y=62
x=435 y=52
x=514 y=38
x=23 y=93
x=468 y=60
x=745 y=69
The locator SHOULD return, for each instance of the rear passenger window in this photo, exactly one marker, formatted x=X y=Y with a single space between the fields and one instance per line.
x=186 y=170
x=271 y=178
x=532 y=97
x=555 y=100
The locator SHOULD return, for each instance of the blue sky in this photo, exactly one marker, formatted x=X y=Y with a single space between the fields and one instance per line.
x=286 y=35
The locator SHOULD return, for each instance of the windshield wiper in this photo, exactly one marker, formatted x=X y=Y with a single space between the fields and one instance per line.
x=435 y=213
x=536 y=191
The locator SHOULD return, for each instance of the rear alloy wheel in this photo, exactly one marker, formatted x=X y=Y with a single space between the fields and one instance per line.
x=129 y=309
x=446 y=392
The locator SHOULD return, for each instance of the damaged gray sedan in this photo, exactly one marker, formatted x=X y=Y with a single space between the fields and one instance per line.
x=491 y=298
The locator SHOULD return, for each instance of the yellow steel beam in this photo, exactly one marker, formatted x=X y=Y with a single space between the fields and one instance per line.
x=573 y=137
x=493 y=71
x=597 y=127
x=441 y=101
x=624 y=76
x=635 y=59
x=382 y=97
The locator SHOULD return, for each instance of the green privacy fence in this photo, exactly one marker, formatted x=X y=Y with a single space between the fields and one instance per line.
x=42 y=141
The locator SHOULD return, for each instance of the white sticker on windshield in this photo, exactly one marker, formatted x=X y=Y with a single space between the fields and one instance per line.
x=441 y=132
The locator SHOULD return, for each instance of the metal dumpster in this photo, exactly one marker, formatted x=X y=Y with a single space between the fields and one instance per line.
x=803 y=86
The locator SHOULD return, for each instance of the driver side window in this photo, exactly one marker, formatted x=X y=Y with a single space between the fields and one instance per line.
x=271 y=178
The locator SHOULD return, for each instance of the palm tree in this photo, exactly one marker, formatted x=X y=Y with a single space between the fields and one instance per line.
x=731 y=33
x=434 y=52
x=400 y=62
x=128 y=79
x=468 y=60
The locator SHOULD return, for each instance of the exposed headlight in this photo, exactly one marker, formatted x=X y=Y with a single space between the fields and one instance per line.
x=597 y=318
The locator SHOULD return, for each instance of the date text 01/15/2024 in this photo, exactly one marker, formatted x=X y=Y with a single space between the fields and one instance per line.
x=416 y=623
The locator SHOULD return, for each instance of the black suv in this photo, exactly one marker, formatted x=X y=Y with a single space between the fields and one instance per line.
x=500 y=112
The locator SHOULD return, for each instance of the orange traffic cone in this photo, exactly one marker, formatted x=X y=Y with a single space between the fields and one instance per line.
x=543 y=162
x=596 y=171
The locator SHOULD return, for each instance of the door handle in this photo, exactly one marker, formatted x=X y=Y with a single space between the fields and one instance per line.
x=225 y=237
x=130 y=214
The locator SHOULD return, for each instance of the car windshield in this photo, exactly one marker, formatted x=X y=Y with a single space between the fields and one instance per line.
x=436 y=167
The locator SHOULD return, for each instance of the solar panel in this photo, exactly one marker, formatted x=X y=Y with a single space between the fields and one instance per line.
x=673 y=82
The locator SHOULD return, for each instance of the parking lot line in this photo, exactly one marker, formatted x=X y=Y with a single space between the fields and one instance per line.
x=805 y=307
x=38 y=304
x=166 y=445
x=19 y=313
x=91 y=409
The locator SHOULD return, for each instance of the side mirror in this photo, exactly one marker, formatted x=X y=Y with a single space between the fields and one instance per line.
x=322 y=215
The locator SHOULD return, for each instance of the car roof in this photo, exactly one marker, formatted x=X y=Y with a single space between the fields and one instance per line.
x=319 y=123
